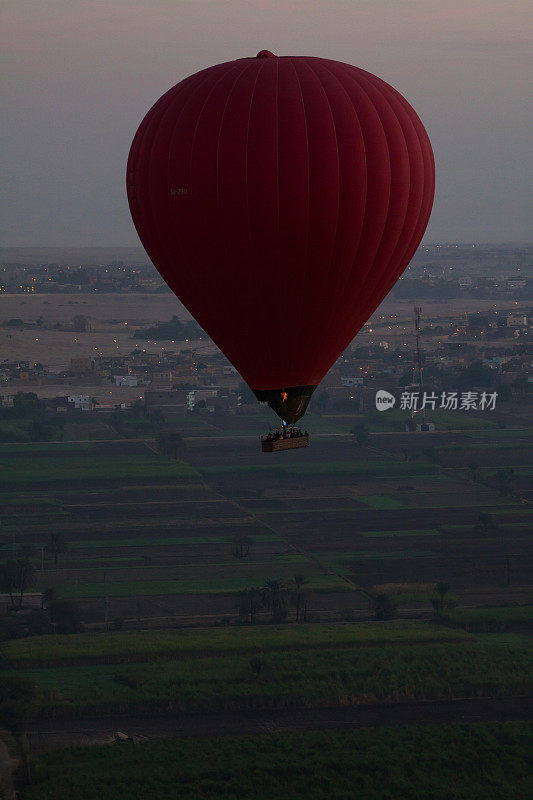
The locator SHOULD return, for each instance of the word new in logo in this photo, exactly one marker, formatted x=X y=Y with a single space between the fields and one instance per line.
x=384 y=400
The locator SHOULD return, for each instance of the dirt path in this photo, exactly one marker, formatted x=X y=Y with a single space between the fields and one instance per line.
x=58 y=734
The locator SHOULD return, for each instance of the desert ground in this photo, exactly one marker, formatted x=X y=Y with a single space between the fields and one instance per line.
x=114 y=318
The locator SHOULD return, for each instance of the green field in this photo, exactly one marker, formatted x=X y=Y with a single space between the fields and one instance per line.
x=461 y=762
x=198 y=585
x=381 y=501
x=334 y=504
x=394 y=420
x=516 y=527
x=308 y=676
x=63 y=471
x=340 y=559
x=167 y=541
x=387 y=534
x=113 y=646
x=497 y=618
x=353 y=467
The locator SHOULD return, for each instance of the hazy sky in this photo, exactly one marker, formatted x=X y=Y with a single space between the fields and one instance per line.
x=79 y=75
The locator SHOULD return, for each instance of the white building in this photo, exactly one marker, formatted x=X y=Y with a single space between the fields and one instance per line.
x=80 y=401
x=125 y=380
x=517 y=321
x=195 y=395
x=352 y=381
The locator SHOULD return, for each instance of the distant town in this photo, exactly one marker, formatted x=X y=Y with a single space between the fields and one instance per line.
x=75 y=359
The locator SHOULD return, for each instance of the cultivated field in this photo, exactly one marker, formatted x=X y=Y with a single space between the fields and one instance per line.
x=140 y=526
x=151 y=544
x=268 y=668
x=467 y=762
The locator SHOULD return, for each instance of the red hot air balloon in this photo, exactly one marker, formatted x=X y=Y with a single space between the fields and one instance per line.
x=281 y=198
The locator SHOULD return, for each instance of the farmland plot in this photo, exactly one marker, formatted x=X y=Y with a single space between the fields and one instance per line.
x=125 y=509
x=484 y=761
x=326 y=676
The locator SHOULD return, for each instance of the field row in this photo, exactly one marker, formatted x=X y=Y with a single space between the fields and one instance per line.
x=139 y=526
x=303 y=677
x=132 y=645
x=464 y=762
x=58 y=471
x=194 y=585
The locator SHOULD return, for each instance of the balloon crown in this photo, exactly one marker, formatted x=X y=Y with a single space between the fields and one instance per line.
x=266 y=54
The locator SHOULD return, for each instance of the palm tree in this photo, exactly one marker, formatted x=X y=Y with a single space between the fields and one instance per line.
x=16 y=576
x=274 y=598
x=298 y=595
x=250 y=601
x=8 y=579
x=438 y=603
x=384 y=607
x=56 y=546
x=241 y=546
x=26 y=577
x=48 y=596
x=442 y=588
x=473 y=471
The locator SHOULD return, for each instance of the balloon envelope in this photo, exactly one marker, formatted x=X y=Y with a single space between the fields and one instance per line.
x=281 y=199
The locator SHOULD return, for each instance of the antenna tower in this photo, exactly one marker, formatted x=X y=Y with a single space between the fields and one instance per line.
x=419 y=368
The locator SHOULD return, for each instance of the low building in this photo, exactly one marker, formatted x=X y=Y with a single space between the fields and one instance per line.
x=195 y=396
x=162 y=379
x=82 y=402
x=125 y=380
x=411 y=426
x=517 y=321
x=495 y=362
x=516 y=283
x=425 y=427
x=352 y=380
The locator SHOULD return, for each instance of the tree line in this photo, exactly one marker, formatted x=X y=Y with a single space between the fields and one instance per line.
x=173 y=329
x=275 y=597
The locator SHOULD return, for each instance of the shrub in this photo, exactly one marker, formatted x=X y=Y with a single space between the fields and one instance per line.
x=65 y=615
x=384 y=607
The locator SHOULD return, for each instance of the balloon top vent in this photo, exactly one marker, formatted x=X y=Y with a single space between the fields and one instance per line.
x=266 y=54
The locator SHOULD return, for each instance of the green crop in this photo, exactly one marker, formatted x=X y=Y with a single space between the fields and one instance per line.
x=460 y=762
x=312 y=677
